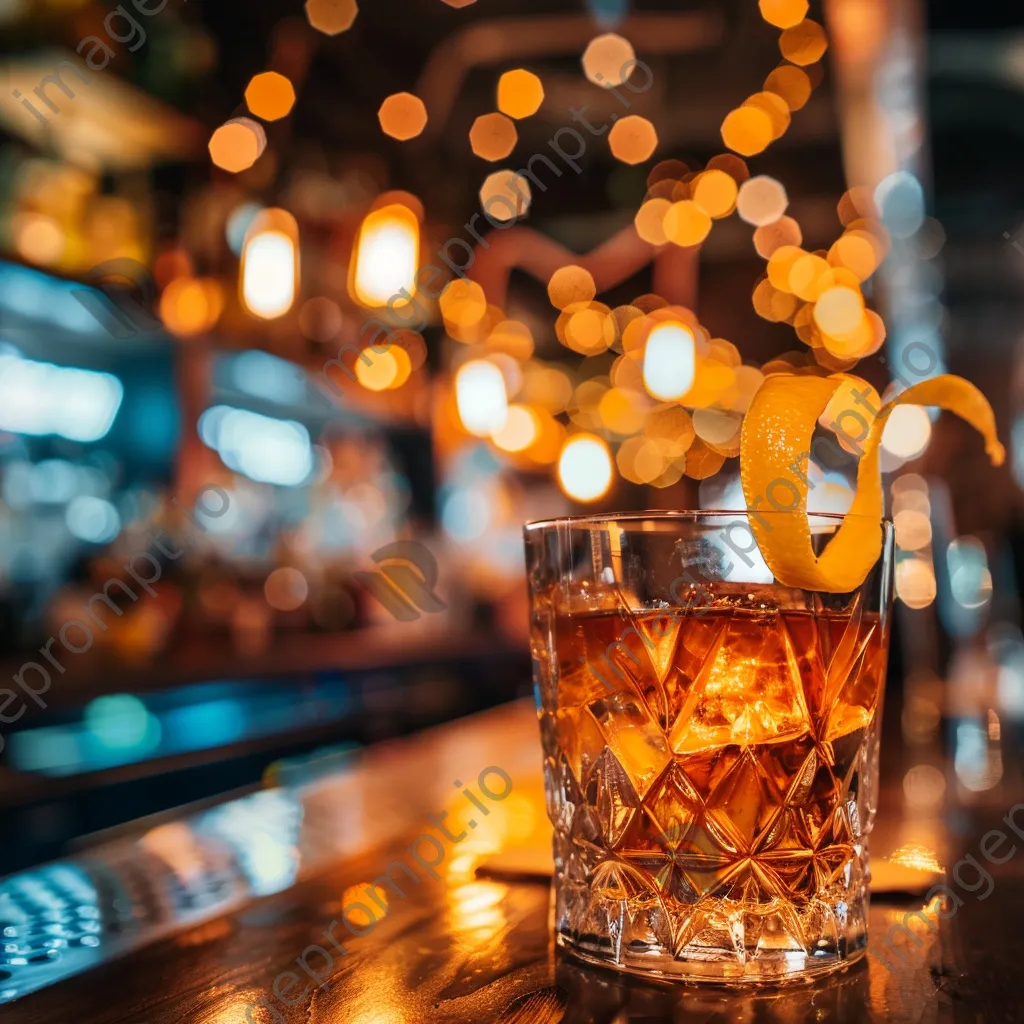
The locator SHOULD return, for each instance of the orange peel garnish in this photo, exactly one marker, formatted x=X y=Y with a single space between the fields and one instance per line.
x=775 y=450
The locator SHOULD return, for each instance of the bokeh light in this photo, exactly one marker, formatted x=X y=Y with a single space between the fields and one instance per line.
x=402 y=116
x=747 y=380
x=671 y=428
x=716 y=192
x=907 y=432
x=286 y=589
x=190 y=306
x=650 y=221
x=236 y=145
x=857 y=203
x=718 y=428
x=702 y=461
x=386 y=257
x=804 y=43
x=587 y=328
x=546 y=387
x=780 y=263
x=586 y=398
x=915 y=582
x=857 y=251
x=669 y=361
x=331 y=16
x=900 y=200
x=609 y=60
x=513 y=337
x=773 y=304
x=270 y=96
x=913 y=529
x=633 y=139
x=775 y=107
x=463 y=303
x=809 y=276
x=377 y=371
x=839 y=311
x=493 y=137
x=569 y=285
x=783 y=13
x=585 y=469
x=505 y=195
x=686 y=223
x=38 y=238
x=924 y=785
x=520 y=93
x=790 y=83
x=734 y=166
x=520 y=430
x=640 y=460
x=769 y=238
x=747 y=130
x=481 y=397
x=761 y=200
x=269 y=273
x=622 y=410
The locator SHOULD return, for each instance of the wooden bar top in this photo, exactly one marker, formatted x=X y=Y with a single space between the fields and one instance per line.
x=247 y=911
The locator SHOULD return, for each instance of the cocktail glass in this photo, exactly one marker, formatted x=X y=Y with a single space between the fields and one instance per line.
x=710 y=744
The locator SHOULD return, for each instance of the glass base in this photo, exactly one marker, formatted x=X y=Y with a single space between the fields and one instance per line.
x=714 y=941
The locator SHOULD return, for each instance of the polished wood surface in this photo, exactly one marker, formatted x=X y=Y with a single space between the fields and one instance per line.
x=476 y=947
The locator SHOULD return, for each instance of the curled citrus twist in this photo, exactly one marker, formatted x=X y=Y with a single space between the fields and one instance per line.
x=775 y=451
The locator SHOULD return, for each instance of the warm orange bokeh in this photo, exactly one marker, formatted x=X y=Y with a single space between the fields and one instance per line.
x=633 y=139
x=237 y=145
x=493 y=136
x=520 y=93
x=270 y=96
x=402 y=116
x=331 y=16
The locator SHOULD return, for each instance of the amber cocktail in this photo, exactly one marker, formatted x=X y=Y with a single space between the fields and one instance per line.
x=710 y=746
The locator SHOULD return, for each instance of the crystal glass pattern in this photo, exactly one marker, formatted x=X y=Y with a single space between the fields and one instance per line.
x=710 y=745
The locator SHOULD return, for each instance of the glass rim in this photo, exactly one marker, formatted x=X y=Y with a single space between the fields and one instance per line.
x=682 y=515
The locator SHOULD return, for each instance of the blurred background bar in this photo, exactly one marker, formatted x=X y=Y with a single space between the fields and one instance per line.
x=276 y=396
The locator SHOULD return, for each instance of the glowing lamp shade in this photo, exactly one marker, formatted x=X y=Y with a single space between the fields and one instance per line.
x=670 y=359
x=481 y=398
x=585 y=467
x=386 y=257
x=270 y=264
